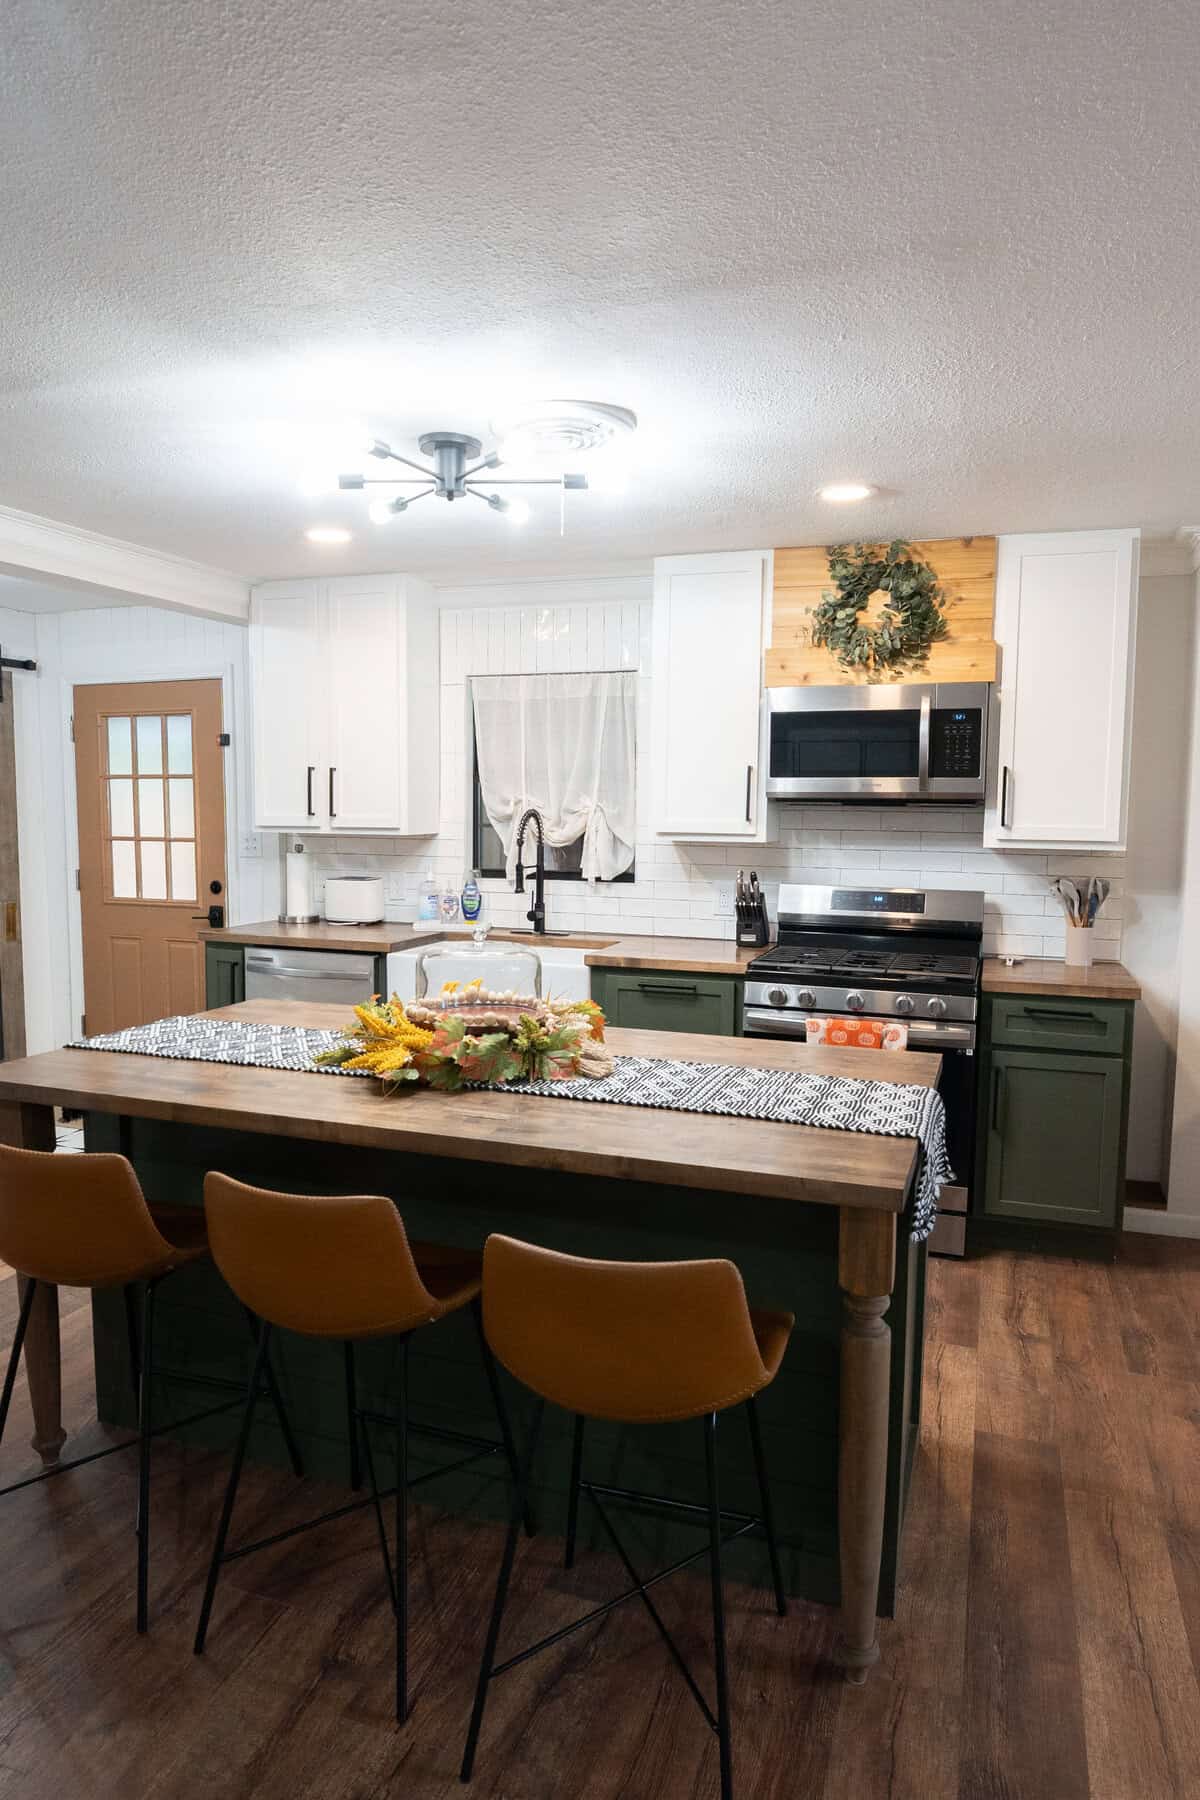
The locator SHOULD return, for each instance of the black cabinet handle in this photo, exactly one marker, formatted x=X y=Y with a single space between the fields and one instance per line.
x=311 y=772
x=749 y=779
x=332 y=813
x=1005 y=786
x=998 y=1094
x=1060 y=1013
x=668 y=987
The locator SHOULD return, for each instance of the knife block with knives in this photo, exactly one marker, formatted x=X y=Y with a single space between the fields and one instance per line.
x=753 y=926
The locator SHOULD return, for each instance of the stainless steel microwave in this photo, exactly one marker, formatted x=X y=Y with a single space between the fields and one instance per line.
x=903 y=741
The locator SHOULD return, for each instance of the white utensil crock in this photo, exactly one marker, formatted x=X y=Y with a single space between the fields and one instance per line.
x=1079 y=945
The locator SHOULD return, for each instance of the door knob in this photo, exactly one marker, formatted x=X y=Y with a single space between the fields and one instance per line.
x=214 y=917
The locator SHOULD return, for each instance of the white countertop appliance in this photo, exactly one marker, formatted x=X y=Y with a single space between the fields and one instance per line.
x=354 y=899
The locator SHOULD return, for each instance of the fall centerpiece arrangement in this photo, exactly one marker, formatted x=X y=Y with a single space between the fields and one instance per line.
x=470 y=1034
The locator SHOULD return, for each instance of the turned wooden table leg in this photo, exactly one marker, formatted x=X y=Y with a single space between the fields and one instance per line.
x=866 y=1275
x=32 y=1128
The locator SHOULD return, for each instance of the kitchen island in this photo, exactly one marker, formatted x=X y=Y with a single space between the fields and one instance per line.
x=811 y=1217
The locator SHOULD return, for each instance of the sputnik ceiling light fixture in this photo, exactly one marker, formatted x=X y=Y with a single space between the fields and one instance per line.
x=565 y=427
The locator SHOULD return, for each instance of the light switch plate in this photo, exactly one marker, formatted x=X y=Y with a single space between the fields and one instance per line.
x=725 y=902
x=251 y=843
x=395 y=887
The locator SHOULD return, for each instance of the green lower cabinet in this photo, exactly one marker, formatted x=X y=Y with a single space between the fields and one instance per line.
x=639 y=1001
x=1053 y=1118
x=224 y=974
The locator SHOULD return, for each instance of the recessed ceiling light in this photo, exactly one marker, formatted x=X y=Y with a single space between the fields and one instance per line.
x=328 y=534
x=840 y=491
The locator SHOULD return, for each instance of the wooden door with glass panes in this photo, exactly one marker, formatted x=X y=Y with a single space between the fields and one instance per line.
x=151 y=796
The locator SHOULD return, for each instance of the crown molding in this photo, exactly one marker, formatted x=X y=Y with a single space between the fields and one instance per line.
x=67 y=556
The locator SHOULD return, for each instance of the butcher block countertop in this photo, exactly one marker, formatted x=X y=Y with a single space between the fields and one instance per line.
x=708 y=1151
x=1048 y=975
x=694 y=956
x=372 y=940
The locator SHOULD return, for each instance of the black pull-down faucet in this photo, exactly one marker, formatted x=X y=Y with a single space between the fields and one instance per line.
x=537 y=912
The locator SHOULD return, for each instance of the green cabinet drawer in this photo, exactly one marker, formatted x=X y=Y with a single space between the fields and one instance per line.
x=1037 y=1022
x=641 y=1001
x=1053 y=1126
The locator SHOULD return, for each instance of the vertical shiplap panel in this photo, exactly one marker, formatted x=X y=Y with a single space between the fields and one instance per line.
x=645 y=616
x=451 y=661
x=577 y=638
x=595 y=637
x=478 y=664
x=630 y=648
x=529 y=641
x=495 y=623
x=561 y=629
x=544 y=638
x=512 y=641
x=612 y=635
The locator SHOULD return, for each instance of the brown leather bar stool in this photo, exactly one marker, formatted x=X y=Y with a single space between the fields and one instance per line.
x=341 y=1267
x=83 y=1221
x=635 y=1343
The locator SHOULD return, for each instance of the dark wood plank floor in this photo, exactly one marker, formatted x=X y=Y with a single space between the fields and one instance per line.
x=1047 y=1647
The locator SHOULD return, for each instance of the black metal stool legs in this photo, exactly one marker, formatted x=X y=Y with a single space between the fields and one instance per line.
x=501 y=1411
x=276 y=1398
x=231 y=1488
x=718 y=1606
x=520 y=1500
x=356 y=1479
x=10 y=1374
x=573 y=1502
x=768 y=1510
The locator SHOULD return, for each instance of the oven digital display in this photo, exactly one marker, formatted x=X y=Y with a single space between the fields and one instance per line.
x=876 y=900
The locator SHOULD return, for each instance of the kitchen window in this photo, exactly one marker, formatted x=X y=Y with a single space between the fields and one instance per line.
x=566 y=745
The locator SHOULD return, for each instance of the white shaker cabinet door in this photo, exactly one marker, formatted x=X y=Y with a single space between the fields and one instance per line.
x=288 y=701
x=366 y=702
x=1066 y=606
x=707 y=694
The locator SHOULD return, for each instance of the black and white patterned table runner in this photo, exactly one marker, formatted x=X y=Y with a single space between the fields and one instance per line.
x=837 y=1102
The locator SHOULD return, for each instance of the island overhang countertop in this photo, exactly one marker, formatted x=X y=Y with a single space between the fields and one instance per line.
x=753 y=1156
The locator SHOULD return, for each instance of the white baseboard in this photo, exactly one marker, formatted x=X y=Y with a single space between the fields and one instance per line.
x=1162 y=1224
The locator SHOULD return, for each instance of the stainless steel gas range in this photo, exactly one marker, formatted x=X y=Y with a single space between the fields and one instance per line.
x=884 y=953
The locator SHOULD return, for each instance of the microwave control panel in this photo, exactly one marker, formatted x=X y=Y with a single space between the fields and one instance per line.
x=956 y=742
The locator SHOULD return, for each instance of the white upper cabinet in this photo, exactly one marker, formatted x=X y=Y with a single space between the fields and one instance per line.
x=1066 y=605
x=345 y=687
x=708 y=745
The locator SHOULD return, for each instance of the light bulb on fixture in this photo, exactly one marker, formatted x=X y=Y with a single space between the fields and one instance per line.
x=840 y=492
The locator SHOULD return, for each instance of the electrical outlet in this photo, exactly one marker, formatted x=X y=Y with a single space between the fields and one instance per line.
x=395 y=888
x=725 y=902
x=251 y=844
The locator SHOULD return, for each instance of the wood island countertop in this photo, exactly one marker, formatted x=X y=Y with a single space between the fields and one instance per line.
x=737 y=1156
x=1050 y=976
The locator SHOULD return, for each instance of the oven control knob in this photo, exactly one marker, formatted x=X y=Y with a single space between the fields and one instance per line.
x=936 y=1007
x=855 y=1001
x=777 y=996
x=904 y=1003
x=805 y=997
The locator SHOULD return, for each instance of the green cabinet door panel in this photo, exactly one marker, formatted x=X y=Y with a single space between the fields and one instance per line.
x=639 y=1001
x=224 y=974
x=1054 y=1133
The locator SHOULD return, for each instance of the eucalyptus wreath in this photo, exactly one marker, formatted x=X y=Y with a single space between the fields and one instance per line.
x=913 y=620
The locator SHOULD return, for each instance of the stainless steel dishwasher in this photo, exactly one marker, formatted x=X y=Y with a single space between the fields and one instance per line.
x=339 y=976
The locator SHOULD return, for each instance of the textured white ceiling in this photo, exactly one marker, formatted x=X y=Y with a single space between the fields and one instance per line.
x=946 y=247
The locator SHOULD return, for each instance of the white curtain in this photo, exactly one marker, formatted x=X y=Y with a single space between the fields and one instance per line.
x=565 y=744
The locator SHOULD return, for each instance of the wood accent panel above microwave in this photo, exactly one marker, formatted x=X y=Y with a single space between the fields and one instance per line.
x=966 y=568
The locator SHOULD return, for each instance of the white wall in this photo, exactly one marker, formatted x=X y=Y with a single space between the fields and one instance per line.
x=118 y=644
x=1183 y=1190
